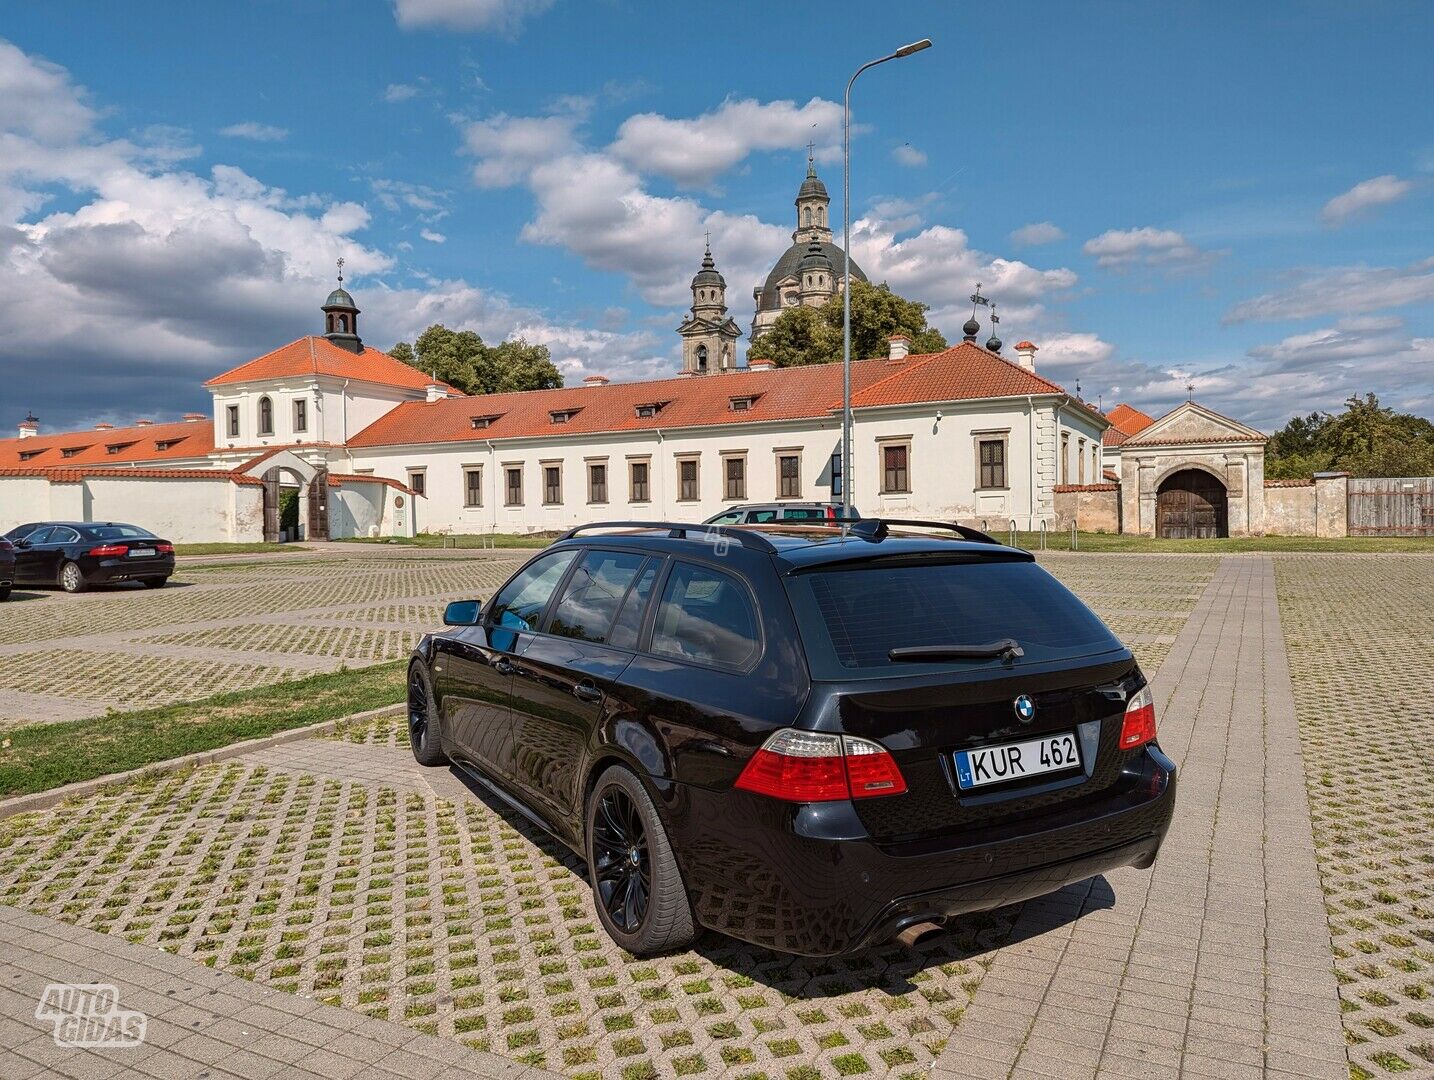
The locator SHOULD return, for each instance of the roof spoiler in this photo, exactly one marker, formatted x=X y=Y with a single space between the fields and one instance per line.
x=679 y=531
x=876 y=529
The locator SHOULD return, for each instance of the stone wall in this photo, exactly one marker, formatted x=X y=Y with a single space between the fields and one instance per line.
x=1316 y=507
x=1092 y=507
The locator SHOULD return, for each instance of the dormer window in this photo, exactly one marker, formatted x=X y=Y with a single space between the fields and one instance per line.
x=742 y=404
x=30 y=455
x=481 y=422
x=562 y=416
x=649 y=409
x=166 y=444
x=115 y=448
x=71 y=451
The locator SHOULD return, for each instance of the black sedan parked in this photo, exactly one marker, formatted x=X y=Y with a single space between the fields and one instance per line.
x=815 y=741
x=77 y=554
x=7 y=568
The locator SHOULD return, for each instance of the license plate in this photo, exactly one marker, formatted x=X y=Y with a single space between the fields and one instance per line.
x=139 y=553
x=1015 y=761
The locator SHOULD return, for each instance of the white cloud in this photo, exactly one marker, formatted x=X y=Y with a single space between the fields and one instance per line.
x=908 y=155
x=510 y=147
x=1036 y=233
x=1365 y=195
x=255 y=131
x=1122 y=249
x=696 y=151
x=1344 y=290
x=396 y=92
x=495 y=16
x=40 y=102
x=433 y=237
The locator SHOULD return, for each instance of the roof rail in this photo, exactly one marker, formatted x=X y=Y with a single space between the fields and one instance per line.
x=876 y=529
x=678 y=530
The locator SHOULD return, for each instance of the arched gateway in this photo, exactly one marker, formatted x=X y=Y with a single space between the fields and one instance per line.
x=1191 y=505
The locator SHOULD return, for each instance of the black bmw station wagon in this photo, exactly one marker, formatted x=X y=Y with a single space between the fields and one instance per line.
x=814 y=739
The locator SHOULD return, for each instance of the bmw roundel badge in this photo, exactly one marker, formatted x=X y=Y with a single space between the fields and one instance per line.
x=1025 y=709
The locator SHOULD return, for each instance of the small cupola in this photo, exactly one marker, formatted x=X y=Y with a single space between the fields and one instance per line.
x=341 y=317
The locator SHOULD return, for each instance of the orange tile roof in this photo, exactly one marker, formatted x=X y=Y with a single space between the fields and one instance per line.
x=314 y=355
x=1112 y=436
x=963 y=372
x=189 y=439
x=73 y=475
x=1129 y=419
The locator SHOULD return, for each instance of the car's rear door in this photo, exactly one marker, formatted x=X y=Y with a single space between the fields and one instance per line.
x=564 y=673
x=982 y=741
x=474 y=667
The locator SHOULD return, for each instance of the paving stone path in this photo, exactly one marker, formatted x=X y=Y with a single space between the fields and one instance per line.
x=1217 y=962
x=199 y=1022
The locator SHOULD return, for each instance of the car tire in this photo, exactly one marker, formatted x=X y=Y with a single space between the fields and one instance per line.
x=4 y=593
x=72 y=578
x=155 y=582
x=637 y=886
x=423 y=734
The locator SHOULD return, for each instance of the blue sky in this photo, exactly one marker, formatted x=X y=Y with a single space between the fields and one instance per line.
x=1238 y=196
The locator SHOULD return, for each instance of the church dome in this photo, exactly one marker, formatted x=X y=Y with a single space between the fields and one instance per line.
x=789 y=266
x=815 y=259
x=812 y=186
x=708 y=275
x=340 y=298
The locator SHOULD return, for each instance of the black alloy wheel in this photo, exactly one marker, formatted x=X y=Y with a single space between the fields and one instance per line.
x=622 y=867
x=427 y=749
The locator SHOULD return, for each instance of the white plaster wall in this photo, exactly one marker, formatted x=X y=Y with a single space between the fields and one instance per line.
x=356 y=509
x=185 y=511
x=943 y=467
x=333 y=408
x=23 y=499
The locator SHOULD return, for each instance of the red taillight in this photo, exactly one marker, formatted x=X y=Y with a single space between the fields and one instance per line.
x=104 y=551
x=164 y=549
x=831 y=513
x=1139 y=726
x=806 y=766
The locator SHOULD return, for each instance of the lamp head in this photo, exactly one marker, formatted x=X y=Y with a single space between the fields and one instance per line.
x=914 y=47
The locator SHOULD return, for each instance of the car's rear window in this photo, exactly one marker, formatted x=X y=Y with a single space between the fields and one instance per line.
x=852 y=618
x=118 y=532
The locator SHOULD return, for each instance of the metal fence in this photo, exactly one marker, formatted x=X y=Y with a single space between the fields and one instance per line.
x=1391 y=506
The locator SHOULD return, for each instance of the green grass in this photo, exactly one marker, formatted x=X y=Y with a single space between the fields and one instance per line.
x=1061 y=541
x=39 y=757
x=234 y=549
x=461 y=540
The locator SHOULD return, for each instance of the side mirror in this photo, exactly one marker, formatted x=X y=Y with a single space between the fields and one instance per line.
x=22 y=543
x=462 y=613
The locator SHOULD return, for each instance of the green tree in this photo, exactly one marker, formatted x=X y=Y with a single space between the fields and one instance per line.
x=462 y=360
x=1367 y=439
x=804 y=335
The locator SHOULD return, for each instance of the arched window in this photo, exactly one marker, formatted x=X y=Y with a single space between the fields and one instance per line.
x=702 y=358
x=343 y=324
x=807 y=216
x=266 y=416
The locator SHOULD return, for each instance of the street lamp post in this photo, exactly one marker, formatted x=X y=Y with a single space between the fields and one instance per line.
x=846 y=470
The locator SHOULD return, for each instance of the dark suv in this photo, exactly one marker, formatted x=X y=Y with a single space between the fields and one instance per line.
x=814 y=740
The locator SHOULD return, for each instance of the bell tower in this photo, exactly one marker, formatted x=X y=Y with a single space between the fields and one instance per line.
x=709 y=334
x=341 y=317
x=813 y=204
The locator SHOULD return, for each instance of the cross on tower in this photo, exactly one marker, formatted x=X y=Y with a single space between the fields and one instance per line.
x=1190 y=390
x=708 y=237
x=811 y=152
x=977 y=300
x=341 y=269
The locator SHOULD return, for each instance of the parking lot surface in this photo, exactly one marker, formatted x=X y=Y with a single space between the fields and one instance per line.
x=338 y=870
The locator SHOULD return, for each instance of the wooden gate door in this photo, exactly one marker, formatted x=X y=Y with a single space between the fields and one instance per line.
x=271 y=506
x=319 y=506
x=1191 y=505
x=1391 y=506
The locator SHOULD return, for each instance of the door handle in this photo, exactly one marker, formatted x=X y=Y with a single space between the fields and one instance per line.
x=502 y=666
x=587 y=691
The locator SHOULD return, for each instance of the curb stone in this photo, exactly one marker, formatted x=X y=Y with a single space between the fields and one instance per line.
x=43 y=800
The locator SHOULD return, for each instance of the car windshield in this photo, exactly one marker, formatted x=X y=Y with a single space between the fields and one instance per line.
x=118 y=532
x=851 y=619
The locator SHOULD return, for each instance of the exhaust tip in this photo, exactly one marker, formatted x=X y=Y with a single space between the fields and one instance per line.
x=916 y=933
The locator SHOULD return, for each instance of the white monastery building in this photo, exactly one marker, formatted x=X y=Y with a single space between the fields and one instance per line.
x=375 y=448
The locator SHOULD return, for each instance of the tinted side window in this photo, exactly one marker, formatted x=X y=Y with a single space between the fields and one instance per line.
x=594 y=593
x=727 y=519
x=816 y=513
x=705 y=616
x=61 y=535
x=629 y=620
x=39 y=536
x=761 y=517
x=520 y=605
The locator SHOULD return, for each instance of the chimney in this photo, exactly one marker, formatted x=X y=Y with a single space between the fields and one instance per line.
x=433 y=392
x=144 y=423
x=30 y=426
x=761 y=363
x=595 y=380
x=1026 y=355
x=104 y=426
x=194 y=417
x=900 y=347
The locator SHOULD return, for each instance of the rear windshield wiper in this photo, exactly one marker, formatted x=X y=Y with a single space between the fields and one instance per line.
x=1006 y=649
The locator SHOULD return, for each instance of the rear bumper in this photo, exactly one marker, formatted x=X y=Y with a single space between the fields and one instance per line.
x=810 y=880
x=126 y=569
